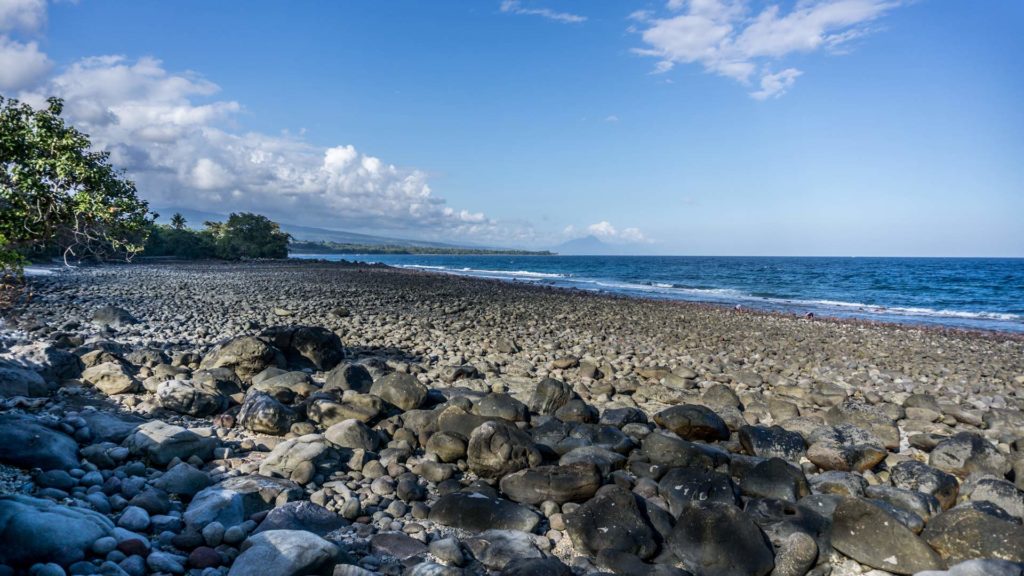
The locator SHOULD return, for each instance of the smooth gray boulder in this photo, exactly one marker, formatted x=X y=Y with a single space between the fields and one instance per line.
x=867 y=533
x=160 y=443
x=111 y=378
x=189 y=397
x=26 y=443
x=477 y=512
x=282 y=553
x=402 y=390
x=498 y=448
x=17 y=381
x=232 y=501
x=35 y=530
x=246 y=356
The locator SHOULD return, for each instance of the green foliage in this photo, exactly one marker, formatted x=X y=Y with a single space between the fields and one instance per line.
x=243 y=235
x=178 y=221
x=56 y=192
x=247 y=235
x=304 y=247
x=180 y=243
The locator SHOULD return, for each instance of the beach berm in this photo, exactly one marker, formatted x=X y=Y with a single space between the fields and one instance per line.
x=238 y=424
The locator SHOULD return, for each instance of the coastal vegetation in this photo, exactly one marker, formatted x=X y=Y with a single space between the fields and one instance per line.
x=243 y=235
x=58 y=196
x=325 y=247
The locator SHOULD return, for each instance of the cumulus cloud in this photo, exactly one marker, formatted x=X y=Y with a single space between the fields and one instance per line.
x=24 y=15
x=517 y=7
x=608 y=232
x=775 y=85
x=731 y=39
x=178 y=142
x=21 y=64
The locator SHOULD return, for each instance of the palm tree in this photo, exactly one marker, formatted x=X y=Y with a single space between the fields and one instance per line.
x=178 y=221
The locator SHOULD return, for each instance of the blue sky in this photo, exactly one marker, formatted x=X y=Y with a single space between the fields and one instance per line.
x=815 y=127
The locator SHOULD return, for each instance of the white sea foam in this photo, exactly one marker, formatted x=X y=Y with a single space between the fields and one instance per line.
x=39 y=271
x=729 y=296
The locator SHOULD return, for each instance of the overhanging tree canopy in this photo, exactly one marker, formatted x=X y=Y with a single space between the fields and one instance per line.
x=56 y=191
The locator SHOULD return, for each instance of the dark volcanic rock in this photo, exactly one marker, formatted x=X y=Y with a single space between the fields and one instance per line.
x=247 y=356
x=477 y=512
x=187 y=397
x=964 y=532
x=550 y=395
x=612 y=519
x=498 y=448
x=914 y=475
x=327 y=410
x=923 y=505
x=111 y=378
x=160 y=443
x=775 y=478
x=1001 y=493
x=693 y=422
x=283 y=553
x=717 y=539
x=27 y=444
x=844 y=447
x=35 y=530
x=619 y=562
x=502 y=406
x=780 y=520
x=183 y=480
x=232 y=501
x=112 y=316
x=496 y=549
x=680 y=486
x=668 y=452
x=536 y=567
x=352 y=434
x=869 y=417
x=869 y=535
x=18 y=381
x=967 y=453
x=773 y=442
x=263 y=414
x=349 y=377
x=574 y=483
x=402 y=390
x=307 y=346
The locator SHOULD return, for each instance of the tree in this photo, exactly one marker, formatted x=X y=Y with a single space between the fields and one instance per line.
x=178 y=221
x=247 y=235
x=56 y=191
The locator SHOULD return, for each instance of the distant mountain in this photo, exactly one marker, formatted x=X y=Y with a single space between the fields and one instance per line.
x=196 y=218
x=586 y=246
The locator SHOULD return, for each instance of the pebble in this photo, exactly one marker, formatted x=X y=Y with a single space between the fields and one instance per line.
x=576 y=405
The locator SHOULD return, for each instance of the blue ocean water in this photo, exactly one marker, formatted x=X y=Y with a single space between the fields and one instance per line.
x=983 y=293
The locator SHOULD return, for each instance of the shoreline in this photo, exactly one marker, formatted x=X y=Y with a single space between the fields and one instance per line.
x=390 y=417
x=821 y=305
x=722 y=306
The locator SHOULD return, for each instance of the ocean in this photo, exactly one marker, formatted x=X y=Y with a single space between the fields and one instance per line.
x=979 y=293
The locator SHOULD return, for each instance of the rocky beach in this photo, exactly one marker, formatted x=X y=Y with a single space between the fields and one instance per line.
x=293 y=418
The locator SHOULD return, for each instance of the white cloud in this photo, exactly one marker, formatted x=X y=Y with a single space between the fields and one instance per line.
x=516 y=7
x=602 y=229
x=21 y=65
x=728 y=38
x=178 y=142
x=606 y=231
x=612 y=119
x=775 y=85
x=25 y=15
